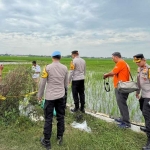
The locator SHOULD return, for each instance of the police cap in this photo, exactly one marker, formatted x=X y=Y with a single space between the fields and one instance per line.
x=56 y=53
x=138 y=57
x=74 y=52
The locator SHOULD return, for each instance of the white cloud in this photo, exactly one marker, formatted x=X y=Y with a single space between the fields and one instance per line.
x=39 y=27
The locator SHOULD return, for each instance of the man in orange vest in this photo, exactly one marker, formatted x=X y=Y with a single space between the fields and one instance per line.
x=120 y=73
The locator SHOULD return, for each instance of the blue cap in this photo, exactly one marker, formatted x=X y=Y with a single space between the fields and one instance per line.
x=56 y=53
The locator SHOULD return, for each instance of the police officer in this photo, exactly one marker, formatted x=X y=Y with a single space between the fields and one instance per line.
x=143 y=80
x=56 y=77
x=77 y=75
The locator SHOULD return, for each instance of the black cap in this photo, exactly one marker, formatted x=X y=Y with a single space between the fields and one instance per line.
x=117 y=54
x=139 y=56
x=74 y=52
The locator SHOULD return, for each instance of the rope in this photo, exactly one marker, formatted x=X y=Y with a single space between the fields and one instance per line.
x=26 y=95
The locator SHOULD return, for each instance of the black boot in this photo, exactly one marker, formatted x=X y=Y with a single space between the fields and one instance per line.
x=59 y=140
x=74 y=109
x=147 y=146
x=46 y=143
x=143 y=129
x=82 y=108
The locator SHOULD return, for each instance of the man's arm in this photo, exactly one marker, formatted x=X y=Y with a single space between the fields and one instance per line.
x=41 y=88
x=138 y=91
x=72 y=67
x=42 y=84
x=85 y=69
x=66 y=80
x=110 y=74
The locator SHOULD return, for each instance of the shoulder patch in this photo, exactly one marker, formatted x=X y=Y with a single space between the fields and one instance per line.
x=72 y=67
x=44 y=73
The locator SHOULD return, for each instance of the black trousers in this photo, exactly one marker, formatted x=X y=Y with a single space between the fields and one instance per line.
x=145 y=108
x=65 y=97
x=123 y=107
x=59 y=105
x=78 y=93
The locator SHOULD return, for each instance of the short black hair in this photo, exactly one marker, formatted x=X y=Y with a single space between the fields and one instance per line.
x=75 y=52
x=117 y=54
x=57 y=57
x=34 y=62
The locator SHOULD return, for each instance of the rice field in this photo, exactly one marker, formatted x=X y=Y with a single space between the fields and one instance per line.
x=97 y=99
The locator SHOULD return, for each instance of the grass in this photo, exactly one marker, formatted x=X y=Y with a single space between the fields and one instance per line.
x=24 y=135
x=96 y=98
x=104 y=136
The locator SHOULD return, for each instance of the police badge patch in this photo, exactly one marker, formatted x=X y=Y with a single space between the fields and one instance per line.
x=72 y=67
x=44 y=73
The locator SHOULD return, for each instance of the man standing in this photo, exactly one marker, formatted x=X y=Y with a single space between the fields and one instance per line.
x=120 y=73
x=77 y=75
x=56 y=77
x=36 y=72
x=143 y=80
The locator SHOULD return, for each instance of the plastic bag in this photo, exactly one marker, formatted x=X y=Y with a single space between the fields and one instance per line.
x=81 y=126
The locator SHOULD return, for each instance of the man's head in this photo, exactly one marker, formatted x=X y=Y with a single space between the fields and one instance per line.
x=74 y=53
x=56 y=55
x=139 y=60
x=116 y=56
x=34 y=63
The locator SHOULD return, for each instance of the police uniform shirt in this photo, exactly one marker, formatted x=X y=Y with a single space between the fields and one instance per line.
x=77 y=69
x=55 y=77
x=143 y=80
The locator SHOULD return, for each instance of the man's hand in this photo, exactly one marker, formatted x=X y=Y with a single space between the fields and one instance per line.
x=137 y=96
x=39 y=99
x=105 y=76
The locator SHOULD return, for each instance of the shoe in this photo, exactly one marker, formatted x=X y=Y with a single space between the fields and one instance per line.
x=59 y=140
x=124 y=126
x=147 y=147
x=119 y=120
x=74 y=109
x=143 y=129
x=82 y=110
x=46 y=143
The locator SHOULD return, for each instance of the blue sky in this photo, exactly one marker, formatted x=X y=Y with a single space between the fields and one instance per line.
x=94 y=27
